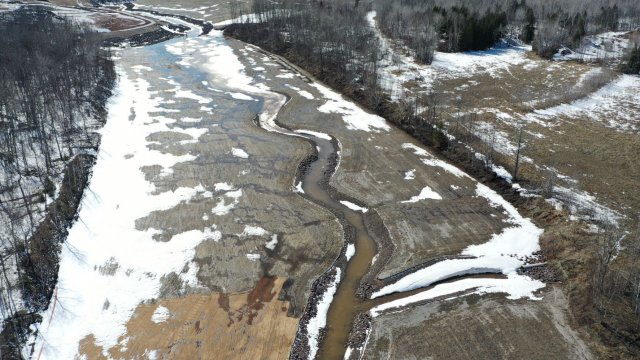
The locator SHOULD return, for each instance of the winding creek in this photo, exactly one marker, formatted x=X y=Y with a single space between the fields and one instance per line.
x=345 y=304
x=225 y=98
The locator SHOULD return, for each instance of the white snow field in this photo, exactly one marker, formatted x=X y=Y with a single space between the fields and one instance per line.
x=90 y=300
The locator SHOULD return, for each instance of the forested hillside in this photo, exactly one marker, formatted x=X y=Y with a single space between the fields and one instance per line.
x=54 y=81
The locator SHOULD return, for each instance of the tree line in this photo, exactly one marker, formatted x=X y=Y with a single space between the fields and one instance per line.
x=424 y=26
x=55 y=78
x=326 y=37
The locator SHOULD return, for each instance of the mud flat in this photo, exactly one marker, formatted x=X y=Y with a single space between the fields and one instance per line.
x=213 y=221
x=473 y=327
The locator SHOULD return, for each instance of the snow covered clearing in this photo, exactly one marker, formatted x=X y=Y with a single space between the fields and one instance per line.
x=91 y=301
x=616 y=104
x=608 y=47
x=353 y=206
x=397 y=69
x=318 y=322
x=503 y=253
x=425 y=193
x=495 y=61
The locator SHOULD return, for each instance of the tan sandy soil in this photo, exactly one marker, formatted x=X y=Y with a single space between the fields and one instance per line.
x=215 y=326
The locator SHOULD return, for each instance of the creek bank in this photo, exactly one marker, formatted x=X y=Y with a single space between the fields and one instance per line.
x=318 y=167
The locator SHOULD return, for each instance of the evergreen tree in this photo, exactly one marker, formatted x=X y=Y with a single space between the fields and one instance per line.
x=632 y=65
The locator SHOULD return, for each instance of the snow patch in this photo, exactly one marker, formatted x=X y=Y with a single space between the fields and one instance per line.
x=351 y=250
x=353 y=206
x=354 y=117
x=318 y=322
x=237 y=152
x=319 y=135
x=303 y=93
x=425 y=193
x=254 y=231
x=410 y=175
x=503 y=253
x=515 y=286
x=253 y=257
x=271 y=244
x=160 y=315
x=432 y=161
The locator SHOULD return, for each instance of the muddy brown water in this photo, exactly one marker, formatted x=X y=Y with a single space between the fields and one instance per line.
x=345 y=304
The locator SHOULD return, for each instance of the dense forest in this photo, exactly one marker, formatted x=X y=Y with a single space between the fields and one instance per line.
x=55 y=78
x=450 y=26
x=334 y=41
